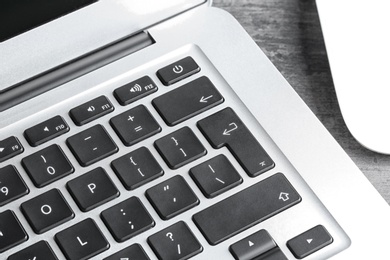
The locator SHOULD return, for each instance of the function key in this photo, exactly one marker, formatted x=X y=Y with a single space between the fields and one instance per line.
x=127 y=219
x=12 y=186
x=9 y=148
x=177 y=71
x=135 y=90
x=38 y=251
x=180 y=147
x=92 y=189
x=46 y=131
x=91 y=110
x=47 y=211
x=225 y=128
x=187 y=101
x=175 y=242
x=309 y=242
x=172 y=197
x=47 y=165
x=215 y=176
x=11 y=231
x=82 y=240
x=91 y=145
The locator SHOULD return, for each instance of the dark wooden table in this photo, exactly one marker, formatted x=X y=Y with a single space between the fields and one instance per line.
x=289 y=33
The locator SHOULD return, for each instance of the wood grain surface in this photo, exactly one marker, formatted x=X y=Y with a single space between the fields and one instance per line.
x=289 y=33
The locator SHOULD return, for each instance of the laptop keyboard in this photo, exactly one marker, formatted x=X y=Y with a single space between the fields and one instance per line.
x=220 y=152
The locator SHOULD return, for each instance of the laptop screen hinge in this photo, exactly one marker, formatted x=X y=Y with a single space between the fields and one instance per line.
x=73 y=69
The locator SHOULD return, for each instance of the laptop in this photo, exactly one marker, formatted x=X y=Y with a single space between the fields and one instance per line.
x=159 y=130
x=351 y=28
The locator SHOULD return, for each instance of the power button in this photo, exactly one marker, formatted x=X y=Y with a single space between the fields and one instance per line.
x=177 y=71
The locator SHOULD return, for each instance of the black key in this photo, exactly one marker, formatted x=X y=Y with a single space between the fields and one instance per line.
x=91 y=110
x=82 y=240
x=91 y=145
x=135 y=125
x=38 y=251
x=137 y=168
x=246 y=208
x=46 y=131
x=134 y=251
x=309 y=242
x=180 y=148
x=47 y=211
x=11 y=231
x=172 y=197
x=252 y=246
x=177 y=71
x=127 y=219
x=92 y=189
x=215 y=176
x=9 y=148
x=225 y=128
x=135 y=90
x=175 y=242
x=187 y=101
x=12 y=185
x=47 y=165
x=273 y=254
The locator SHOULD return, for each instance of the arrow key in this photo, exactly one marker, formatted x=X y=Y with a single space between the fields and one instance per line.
x=252 y=246
x=309 y=242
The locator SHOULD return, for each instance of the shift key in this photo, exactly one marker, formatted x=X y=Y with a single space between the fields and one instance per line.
x=246 y=208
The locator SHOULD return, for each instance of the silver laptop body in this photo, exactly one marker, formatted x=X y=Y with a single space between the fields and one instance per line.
x=330 y=189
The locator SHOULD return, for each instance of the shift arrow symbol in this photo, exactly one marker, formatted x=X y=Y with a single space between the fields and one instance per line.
x=204 y=99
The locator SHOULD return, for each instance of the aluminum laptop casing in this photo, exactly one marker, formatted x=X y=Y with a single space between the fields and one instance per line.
x=342 y=188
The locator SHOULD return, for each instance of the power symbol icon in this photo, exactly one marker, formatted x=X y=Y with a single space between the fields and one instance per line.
x=178 y=69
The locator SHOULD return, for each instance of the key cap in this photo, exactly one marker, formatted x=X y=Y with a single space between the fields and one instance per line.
x=177 y=71
x=215 y=176
x=309 y=242
x=135 y=125
x=37 y=251
x=175 y=242
x=246 y=208
x=135 y=90
x=12 y=185
x=9 y=148
x=273 y=254
x=172 y=197
x=47 y=165
x=137 y=168
x=187 y=101
x=91 y=110
x=47 y=211
x=91 y=145
x=252 y=246
x=134 y=251
x=225 y=128
x=82 y=240
x=127 y=219
x=46 y=131
x=180 y=148
x=92 y=189
x=11 y=231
